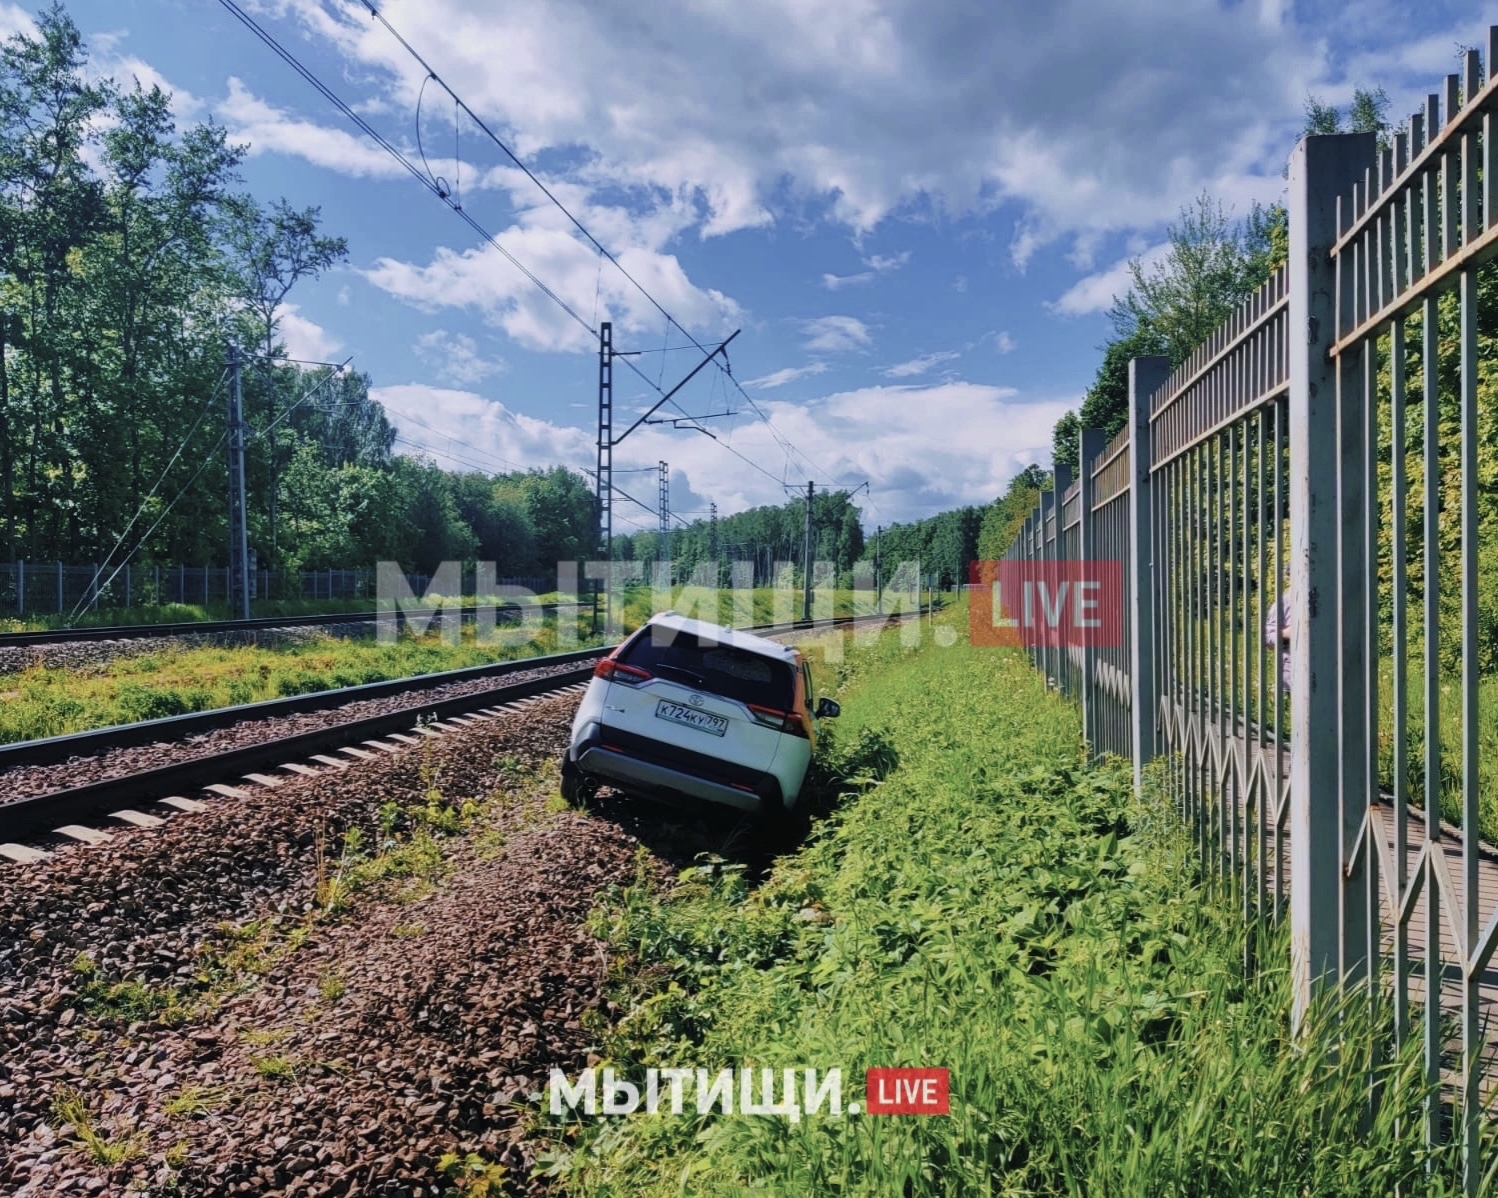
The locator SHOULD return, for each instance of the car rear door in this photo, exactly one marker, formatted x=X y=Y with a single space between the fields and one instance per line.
x=706 y=698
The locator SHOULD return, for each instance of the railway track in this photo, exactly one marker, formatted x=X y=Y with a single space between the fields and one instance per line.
x=67 y=810
x=124 y=632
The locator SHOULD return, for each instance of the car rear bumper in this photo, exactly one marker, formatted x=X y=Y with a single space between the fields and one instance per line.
x=637 y=767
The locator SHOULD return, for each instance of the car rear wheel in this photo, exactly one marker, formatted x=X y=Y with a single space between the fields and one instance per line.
x=577 y=789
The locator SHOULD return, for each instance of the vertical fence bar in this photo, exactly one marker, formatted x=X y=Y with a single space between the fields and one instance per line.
x=1349 y=502
x=1430 y=399
x=1471 y=1045
x=1321 y=168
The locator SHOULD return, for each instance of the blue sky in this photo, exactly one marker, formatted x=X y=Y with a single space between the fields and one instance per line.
x=917 y=211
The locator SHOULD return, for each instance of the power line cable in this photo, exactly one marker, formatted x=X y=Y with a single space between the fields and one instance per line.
x=151 y=494
x=333 y=98
x=671 y=321
x=146 y=536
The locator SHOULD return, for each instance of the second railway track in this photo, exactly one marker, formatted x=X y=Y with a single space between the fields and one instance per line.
x=47 y=808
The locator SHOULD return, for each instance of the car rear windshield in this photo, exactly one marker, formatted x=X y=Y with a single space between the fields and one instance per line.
x=710 y=666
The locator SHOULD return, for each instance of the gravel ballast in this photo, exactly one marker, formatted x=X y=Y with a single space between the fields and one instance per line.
x=321 y=1053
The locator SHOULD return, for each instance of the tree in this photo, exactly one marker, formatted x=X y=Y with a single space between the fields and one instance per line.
x=1206 y=272
x=273 y=250
x=1005 y=516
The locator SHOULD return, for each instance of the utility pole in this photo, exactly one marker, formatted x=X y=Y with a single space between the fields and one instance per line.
x=811 y=494
x=878 y=594
x=606 y=438
x=605 y=475
x=665 y=513
x=712 y=541
x=239 y=539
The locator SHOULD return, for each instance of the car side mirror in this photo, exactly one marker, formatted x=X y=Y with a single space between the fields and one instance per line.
x=827 y=708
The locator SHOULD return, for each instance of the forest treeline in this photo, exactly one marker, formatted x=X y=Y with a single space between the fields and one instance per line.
x=130 y=259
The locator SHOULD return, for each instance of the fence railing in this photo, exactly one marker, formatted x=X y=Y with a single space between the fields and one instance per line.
x=1271 y=485
x=29 y=588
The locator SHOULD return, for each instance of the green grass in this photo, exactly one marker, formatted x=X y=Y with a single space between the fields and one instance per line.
x=192 y=613
x=1451 y=746
x=71 y=1108
x=982 y=901
x=759 y=606
x=44 y=701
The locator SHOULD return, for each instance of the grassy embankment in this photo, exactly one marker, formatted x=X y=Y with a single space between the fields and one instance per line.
x=194 y=613
x=996 y=907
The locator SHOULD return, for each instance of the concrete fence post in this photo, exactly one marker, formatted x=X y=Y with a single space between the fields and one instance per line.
x=1047 y=555
x=1063 y=480
x=1090 y=444
x=1321 y=169
x=1146 y=376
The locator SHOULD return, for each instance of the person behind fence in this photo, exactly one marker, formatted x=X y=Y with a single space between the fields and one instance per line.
x=1277 y=633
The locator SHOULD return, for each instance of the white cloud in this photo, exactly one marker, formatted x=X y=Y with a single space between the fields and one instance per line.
x=1003 y=342
x=899 y=438
x=304 y=338
x=877 y=266
x=923 y=449
x=1096 y=292
x=456 y=357
x=268 y=129
x=871 y=106
x=464 y=430
x=483 y=280
x=788 y=374
x=915 y=366
x=833 y=282
x=835 y=334
x=15 y=19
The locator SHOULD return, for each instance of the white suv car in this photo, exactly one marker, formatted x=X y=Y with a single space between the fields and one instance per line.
x=690 y=712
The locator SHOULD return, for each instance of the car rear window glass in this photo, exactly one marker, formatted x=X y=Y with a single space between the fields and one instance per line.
x=721 y=669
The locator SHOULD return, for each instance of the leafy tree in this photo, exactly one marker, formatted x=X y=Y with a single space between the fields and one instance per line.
x=1005 y=516
x=273 y=250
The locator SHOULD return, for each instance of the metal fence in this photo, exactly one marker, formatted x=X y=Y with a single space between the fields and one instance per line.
x=1247 y=495
x=51 y=588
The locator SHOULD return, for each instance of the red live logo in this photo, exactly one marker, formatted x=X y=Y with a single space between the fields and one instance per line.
x=907 y=1091
x=1064 y=604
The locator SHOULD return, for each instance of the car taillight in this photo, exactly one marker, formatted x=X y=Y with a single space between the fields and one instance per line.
x=617 y=671
x=781 y=721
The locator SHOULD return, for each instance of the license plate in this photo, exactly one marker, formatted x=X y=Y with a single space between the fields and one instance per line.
x=713 y=725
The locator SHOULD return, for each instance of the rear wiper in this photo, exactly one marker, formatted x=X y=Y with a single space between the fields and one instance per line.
x=695 y=679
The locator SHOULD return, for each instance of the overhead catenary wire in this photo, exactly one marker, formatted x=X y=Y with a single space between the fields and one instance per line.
x=671 y=322
x=416 y=173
